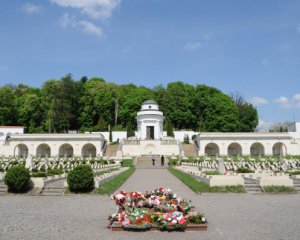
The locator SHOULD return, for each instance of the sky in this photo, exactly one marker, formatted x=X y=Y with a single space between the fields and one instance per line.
x=250 y=46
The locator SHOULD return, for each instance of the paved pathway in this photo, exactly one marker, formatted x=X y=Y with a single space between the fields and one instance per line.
x=150 y=179
x=231 y=216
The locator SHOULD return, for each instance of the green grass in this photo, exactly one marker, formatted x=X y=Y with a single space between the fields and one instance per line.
x=201 y=187
x=112 y=185
x=127 y=163
x=279 y=189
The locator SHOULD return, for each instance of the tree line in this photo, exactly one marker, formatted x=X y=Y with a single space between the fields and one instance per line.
x=96 y=105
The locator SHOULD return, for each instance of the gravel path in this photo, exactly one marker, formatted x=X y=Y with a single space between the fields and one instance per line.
x=231 y=216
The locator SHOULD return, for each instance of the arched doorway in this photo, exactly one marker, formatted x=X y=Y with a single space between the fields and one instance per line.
x=88 y=150
x=21 y=150
x=279 y=149
x=234 y=149
x=257 y=149
x=66 y=150
x=43 y=150
x=212 y=149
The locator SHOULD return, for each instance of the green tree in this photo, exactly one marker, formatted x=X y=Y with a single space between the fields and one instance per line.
x=101 y=126
x=7 y=106
x=169 y=128
x=130 y=131
x=248 y=116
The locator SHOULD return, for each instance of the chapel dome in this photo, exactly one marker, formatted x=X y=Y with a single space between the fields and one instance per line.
x=150 y=102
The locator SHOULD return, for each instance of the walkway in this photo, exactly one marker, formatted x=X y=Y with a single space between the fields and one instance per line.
x=150 y=179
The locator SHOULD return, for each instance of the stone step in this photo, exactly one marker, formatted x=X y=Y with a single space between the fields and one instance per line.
x=51 y=194
x=53 y=187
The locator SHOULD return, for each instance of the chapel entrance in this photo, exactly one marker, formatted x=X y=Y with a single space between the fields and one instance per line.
x=150 y=132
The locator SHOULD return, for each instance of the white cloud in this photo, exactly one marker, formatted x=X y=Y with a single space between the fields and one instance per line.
x=32 y=8
x=258 y=101
x=296 y=97
x=283 y=102
x=192 y=45
x=97 y=9
x=86 y=26
x=90 y=28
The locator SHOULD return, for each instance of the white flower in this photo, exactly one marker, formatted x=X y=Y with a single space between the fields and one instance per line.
x=174 y=221
x=203 y=219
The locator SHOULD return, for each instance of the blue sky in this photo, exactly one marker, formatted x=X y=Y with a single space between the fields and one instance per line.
x=252 y=47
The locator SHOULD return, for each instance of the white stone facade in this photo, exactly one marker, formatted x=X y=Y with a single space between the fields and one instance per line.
x=150 y=121
x=248 y=144
x=52 y=145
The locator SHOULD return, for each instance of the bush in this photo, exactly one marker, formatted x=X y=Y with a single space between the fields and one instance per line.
x=17 y=178
x=244 y=170
x=81 y=179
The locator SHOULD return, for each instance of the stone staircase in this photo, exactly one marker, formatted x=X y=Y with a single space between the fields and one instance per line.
x=252 y=186
x=189 y=150
x=55 y=188
x=3 y=188
x=111 y=150
x=296 y=182
x=146 y=162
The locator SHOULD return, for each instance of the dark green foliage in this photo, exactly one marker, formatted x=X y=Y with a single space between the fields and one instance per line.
x=186 y=139
x=169 y=128
x=247 y=113
x=110 y=135
x=93 y=105
x=81 y=179
x=130 y=131
x=101 y=126
x=17 y=179
x=244 y=170
x=196 y=219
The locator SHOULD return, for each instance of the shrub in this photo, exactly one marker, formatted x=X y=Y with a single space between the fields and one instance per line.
x=17 y=178
x=244 y=170
x=81 y=179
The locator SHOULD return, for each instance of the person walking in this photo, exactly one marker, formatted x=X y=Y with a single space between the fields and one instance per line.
x=153 y=160
x=162 y=160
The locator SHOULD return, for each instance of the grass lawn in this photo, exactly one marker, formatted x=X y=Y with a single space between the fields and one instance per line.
x=112 y=185
x=201 y=187
x=279 y=189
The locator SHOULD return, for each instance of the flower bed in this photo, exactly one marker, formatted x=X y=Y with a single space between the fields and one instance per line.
x=160 y=209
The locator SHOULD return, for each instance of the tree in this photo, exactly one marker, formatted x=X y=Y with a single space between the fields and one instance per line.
x=248 y=116
x=130 y=131
x=7 y=106
x=169 y=128
x=101 y=126
x=30 y=112
x=217 y=112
